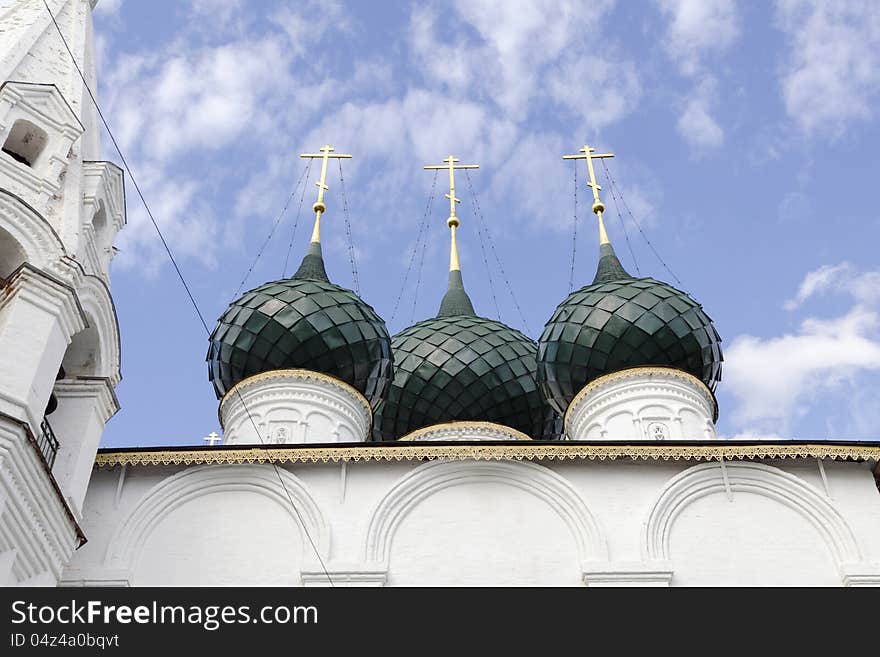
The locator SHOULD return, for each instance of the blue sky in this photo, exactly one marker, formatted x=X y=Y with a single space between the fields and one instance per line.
x=745 y=137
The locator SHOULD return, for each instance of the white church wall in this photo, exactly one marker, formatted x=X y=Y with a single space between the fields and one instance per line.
x=751 y=542
x=498 y=533
x=484 y=522
x=214 y=550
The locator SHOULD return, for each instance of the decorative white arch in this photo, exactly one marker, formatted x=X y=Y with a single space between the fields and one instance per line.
x=96 y=302
x=123 y=551
x=705 y=479
x=432 y=477
x=36 y=237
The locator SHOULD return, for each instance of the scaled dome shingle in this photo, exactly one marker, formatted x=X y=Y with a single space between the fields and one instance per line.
x=304 y=322
x=458 y=366
x=618 y=322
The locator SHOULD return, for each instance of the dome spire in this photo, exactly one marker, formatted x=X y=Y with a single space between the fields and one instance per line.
x=456 y=300
x=609 y=268
x=313 y=263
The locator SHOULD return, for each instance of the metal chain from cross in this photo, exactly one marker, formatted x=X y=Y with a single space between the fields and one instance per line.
x=589 y=154
x=325 y=153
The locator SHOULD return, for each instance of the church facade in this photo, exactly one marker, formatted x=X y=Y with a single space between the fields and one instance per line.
x=457 y=452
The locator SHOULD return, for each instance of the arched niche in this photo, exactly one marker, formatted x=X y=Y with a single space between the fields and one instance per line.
x=25 y=142
x=744 y=523
x=83 y=357
x=12 y=254
x=483 y=522
x=222 y=524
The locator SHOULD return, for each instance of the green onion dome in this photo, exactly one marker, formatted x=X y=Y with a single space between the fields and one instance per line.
x=303 y=322
x=458 y=366
x=619 y=322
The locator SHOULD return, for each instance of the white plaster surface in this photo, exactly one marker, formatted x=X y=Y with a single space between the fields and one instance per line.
x=487 y=523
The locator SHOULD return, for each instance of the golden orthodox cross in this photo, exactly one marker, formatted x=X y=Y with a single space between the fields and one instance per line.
x=452 y=166
x=452 y=222
x=325 y=153
x=589 y=154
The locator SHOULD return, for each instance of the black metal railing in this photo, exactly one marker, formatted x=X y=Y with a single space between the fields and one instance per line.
x=47 y=442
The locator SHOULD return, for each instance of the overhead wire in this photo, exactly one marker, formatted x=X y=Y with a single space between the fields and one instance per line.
x=638 y=225
x=422 y=231
x=482 y=241
x=351 y=253
x=574 y=229
x=303 y=175
x=623 y=225
x=412 y=315
x=495 y=251
x=296 y=219
x=128 y=170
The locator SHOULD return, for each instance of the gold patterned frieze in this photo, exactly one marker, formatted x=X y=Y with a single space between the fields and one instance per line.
x=518 y=451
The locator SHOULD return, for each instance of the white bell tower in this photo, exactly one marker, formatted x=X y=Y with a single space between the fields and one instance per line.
x=60 y=209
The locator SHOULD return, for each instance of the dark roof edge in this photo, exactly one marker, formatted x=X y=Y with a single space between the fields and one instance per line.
x=501 y=443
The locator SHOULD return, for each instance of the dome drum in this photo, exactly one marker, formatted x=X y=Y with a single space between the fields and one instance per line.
x=643 y=403
x=294 y=406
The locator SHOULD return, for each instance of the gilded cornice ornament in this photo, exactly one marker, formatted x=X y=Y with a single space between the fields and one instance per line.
x=485 y=429
x=518 y=451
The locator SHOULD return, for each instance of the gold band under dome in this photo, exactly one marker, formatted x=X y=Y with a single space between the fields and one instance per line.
x=466 y=425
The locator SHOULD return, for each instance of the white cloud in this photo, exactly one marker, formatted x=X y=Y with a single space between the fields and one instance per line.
x=696 y=123
x=600 y=90
x=521 y=50
x=697 y=29
x=310 y=21
x=196 y=98
x=451 y=66
x=770 y=376
x=864 y=287
x=832 y=74
x=753 y=435
x=271 y=91
x=773 y=377
x=108 y=6
x=795 y=207
x=219 y=84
